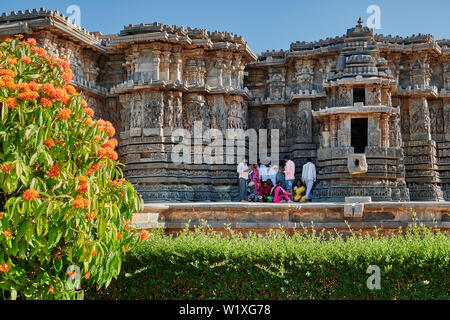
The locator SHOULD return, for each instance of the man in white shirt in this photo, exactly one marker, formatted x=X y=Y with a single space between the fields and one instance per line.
x=309 y=177
x=272 y=173
x=263 y=172
x=243 y=171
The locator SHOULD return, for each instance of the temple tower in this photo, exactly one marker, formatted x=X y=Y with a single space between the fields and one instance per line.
x=360 y=151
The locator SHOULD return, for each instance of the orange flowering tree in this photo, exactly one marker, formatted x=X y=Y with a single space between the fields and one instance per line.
x=65 y=210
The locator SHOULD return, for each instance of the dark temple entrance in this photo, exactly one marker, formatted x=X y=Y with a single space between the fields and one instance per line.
x=359 y=134
x=359 y=95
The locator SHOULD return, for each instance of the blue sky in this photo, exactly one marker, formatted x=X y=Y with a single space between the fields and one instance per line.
x=264 y=24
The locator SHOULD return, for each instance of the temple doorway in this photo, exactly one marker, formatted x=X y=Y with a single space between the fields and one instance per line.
x=359 y=95
x=359 y=134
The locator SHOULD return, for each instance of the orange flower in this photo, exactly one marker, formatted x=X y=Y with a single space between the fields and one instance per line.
x=94 y=252
x=1 y=215
x=126 y=247
x=112 y=143
x=6 y=167
x=94 y=168
x=23 y=86
x=144 y=235
x=30 y=194
x=33 y=86
x=51 y=290
x=119 y=235
x=84 y=103
x=26 y=59
x=61 y=95
x=31 y=41
x=7 y=72
x=70 y=90
x=54 y=171
x=60 y=142
x=11 y=102
x=87 y=275
x=7 y=234
x=89 y=111
x=11 y=61
x=65 y=114
x=89 y=122
x=49 y=143
x=28 y=95
x=5 y=267
x=91 y=216
x=97 y=138
x=78 y=202
x=48 y=88
x=84 y=187
x=39 y=51
x=67 y=76
x=71 y=274
x=46 y=102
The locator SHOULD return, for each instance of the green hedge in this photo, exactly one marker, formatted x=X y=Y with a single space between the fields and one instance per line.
x=196 y=265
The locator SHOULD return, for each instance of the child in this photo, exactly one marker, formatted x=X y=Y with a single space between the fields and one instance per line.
x=265 y=190
x=300 y=192
x=280 y=178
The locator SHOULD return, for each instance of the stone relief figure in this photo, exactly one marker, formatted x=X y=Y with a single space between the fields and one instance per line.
x=304 y=74
x=169 y=111
x=344 y=97
x=135 y=114
x=420 y=121
x=154 y=109
x=178 y=112
x=302 y=123
x=218 y=112
x=436 y=118
x=404 y=114
x=374 y=96
x=195 y=109
x=420 y=71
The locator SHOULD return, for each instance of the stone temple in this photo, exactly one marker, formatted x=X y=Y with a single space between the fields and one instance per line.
x=372 y=111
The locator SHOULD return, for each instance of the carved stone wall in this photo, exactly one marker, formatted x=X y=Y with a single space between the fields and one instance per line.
x=151 y=79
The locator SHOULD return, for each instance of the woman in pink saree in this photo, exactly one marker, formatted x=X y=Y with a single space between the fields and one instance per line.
x=280 y=195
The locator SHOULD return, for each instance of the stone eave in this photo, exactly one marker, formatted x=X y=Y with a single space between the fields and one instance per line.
x=170 y=85
x=357 y=81
x=364 y=110
x=71 y=31
x=431 y=91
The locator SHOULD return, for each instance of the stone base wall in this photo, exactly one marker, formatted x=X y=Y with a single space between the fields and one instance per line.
x=383 y=181
x=387 y=217
x=422 y=175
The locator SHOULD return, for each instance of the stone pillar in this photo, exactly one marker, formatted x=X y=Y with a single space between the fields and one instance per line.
x=384 y=127
x=165 y=66
x=333 y=131
x=344 y=136
x=374 y=132
x=422 y=175
x=156 y=62
x=303 y=122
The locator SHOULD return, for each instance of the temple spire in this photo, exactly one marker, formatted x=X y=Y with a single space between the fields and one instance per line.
x=360 y=22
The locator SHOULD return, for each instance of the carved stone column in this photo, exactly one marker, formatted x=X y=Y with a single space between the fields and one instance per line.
x=384 y=127
x=156 y=62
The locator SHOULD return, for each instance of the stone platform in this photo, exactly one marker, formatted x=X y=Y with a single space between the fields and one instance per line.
x=388 y=217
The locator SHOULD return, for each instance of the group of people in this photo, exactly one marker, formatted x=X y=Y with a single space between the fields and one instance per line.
x=272 y=183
